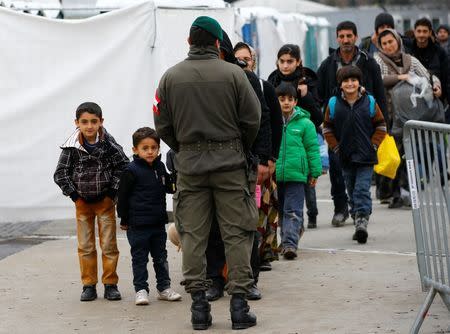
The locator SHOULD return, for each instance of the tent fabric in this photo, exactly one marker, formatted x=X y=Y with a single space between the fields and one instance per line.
x=49 y=67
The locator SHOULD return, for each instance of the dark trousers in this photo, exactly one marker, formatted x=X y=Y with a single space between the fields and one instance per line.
x=311 y=202
x=338 y=194
x=151 y=239
x=215 y=257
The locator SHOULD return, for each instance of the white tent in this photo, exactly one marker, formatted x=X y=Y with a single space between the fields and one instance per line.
x=273 y=29
x=286 y=6
x=49 y=67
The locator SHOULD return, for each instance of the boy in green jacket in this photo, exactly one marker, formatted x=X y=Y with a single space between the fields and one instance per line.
x=299 y=157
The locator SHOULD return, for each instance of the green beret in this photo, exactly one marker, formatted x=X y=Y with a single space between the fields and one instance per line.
x=210 y=25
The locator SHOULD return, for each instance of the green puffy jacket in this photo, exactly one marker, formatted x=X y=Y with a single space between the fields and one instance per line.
x=299 y=151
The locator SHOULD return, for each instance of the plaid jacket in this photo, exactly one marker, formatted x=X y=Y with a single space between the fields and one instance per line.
x=90 y=176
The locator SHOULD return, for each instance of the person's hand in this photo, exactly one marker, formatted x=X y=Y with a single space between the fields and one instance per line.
x=302 y=88
x=124 y=227
x=263 y=174
x=403 y=77
x=437 y=92
x=271 y=167
x=312 y=182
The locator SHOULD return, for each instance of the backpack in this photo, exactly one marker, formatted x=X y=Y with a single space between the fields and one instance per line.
x=332 y=106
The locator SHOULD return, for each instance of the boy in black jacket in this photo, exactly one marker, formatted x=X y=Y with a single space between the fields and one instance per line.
x=142 y=209
x=88 y=171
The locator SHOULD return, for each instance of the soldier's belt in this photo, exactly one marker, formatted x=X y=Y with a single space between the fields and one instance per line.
x=209 y=145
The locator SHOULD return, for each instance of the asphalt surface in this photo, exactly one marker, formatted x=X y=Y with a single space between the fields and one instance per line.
x=335 y=286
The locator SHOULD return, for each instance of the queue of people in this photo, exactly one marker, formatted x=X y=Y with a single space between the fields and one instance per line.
x=243 y=170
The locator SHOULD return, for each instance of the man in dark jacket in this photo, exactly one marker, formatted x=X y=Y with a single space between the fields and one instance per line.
x=430 y=54
x=262 y=149
x=208 y=113
x=347 y=54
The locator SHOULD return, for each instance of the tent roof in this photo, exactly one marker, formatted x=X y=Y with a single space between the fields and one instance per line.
x=299 y=6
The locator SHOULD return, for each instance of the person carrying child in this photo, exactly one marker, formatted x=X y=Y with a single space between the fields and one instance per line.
x=354 y=128
x=299 y=158
x=88 y=171
x=142 y=208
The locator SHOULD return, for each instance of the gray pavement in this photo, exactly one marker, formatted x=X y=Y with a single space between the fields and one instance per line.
x=335 y=286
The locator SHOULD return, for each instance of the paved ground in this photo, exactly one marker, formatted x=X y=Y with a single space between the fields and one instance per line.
x=336 y=285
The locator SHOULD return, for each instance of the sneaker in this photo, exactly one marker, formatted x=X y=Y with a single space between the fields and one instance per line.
x=169 y=295
x=111 y=292
x=312 y=222
x=89 y=293
x=290 y=253
x=141 y=297
x=361 y=229
x=265 y=266
x=339 y=218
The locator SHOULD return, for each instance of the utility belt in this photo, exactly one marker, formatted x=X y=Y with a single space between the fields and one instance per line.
x=211 y=145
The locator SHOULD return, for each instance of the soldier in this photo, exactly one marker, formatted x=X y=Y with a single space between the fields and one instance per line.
x=208 y=113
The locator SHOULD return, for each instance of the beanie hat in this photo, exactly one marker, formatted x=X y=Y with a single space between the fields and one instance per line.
x=227 y=48
x=444 y=26
x=210 y=25
x=384 y=19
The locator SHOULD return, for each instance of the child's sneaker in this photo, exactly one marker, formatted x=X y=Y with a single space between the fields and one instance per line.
x=361 y=229
x=141 y=297
x=290 y=253
x=169 y=295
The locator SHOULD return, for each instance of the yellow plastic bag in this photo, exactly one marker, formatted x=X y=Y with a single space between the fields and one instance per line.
x=388 y=158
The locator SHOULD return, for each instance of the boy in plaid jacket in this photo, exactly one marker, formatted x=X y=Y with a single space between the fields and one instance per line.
x=89 y=171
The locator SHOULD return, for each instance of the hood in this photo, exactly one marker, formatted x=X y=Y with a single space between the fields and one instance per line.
x=300 y=113
x=76 y=139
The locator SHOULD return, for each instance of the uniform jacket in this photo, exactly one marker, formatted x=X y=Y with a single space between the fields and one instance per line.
x=90 y=176
x=206 y=99
x=353 y=131
x=309 y=102
x=299 y=151
x=142 y=193
x=371 y=78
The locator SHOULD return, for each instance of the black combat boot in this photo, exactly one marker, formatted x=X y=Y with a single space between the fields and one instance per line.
x=201 y=311
x=241 y=317
x=89 y=293
x=111 y=292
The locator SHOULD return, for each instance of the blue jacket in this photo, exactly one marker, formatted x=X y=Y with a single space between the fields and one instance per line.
x=142 y=193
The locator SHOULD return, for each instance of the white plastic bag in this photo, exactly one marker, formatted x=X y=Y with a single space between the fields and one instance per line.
x=422 y=89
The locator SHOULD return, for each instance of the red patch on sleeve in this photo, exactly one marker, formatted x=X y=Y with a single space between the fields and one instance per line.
x=156 y=101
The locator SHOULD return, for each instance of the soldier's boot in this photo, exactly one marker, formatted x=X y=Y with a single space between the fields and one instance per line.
x=200 y=311
x=241 y=317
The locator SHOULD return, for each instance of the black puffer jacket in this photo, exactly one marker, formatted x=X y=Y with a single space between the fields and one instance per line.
x=262 y=146
x=309 y=102
x=434 y=59
x=372 y=80
x=276 y=117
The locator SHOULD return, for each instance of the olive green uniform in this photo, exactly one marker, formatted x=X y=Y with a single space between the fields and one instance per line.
x=209 y=114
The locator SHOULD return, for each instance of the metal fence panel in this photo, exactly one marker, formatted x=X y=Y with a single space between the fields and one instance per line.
x=427 y=164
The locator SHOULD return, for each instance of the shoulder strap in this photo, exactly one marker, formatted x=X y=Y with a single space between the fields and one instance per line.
x=372 y=105
x=331 y=106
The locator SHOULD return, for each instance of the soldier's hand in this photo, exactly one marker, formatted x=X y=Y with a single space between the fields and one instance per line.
x=263 y=174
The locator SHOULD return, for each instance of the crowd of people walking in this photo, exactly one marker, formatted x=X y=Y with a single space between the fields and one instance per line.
x=246 y=154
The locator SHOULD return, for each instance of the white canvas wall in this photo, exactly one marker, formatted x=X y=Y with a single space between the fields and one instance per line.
x=49 y=67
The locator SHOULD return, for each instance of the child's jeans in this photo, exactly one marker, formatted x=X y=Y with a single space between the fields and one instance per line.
x=145 y=240
x=311 y=202
x=87 y=252
x=291 y=196
x=358 y=179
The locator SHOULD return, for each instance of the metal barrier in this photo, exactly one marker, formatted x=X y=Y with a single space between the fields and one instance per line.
x=425 y=146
